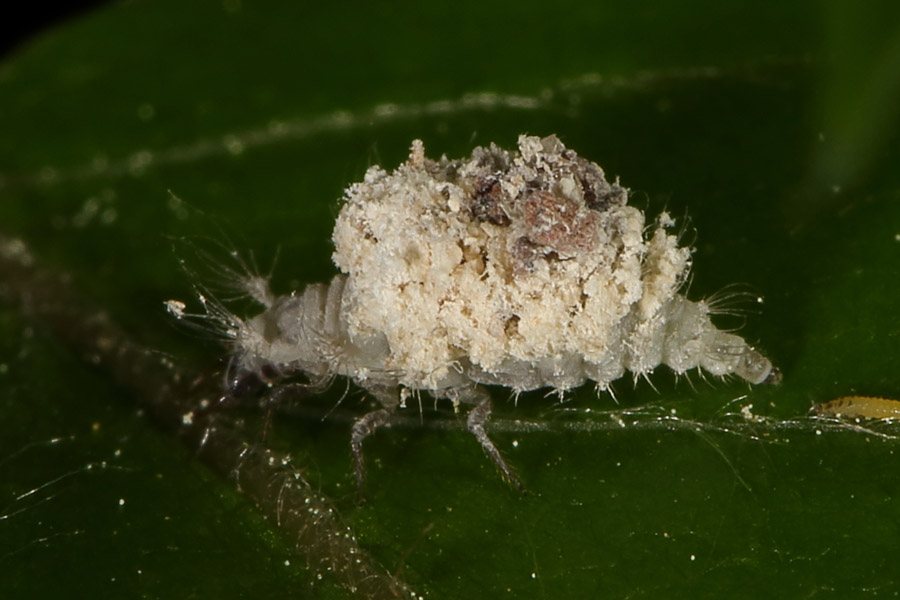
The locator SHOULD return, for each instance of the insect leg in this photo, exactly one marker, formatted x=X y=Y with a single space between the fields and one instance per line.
x=365 y=426
x=476 y=421
x=280 y=395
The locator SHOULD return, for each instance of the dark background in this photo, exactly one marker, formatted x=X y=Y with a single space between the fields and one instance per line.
x=30 y=18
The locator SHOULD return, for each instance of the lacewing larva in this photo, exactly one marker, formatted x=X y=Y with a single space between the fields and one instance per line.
x=860 y=407
x=522 y=269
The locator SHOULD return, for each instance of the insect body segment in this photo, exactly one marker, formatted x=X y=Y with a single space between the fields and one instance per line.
x=860 y=407
x=522 y=269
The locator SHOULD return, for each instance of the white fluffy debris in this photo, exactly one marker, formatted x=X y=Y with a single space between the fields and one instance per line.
x=524 y=269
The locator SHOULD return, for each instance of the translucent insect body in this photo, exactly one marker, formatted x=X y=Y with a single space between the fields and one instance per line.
x=860 y=407
x=526 y=270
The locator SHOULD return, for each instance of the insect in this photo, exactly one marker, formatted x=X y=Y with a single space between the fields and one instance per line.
x=523 y=269
x=860 y=407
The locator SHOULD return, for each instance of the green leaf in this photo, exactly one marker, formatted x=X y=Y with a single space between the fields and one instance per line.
x=773 y=132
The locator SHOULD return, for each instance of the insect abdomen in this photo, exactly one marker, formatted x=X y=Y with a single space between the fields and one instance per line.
x=863 y=407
